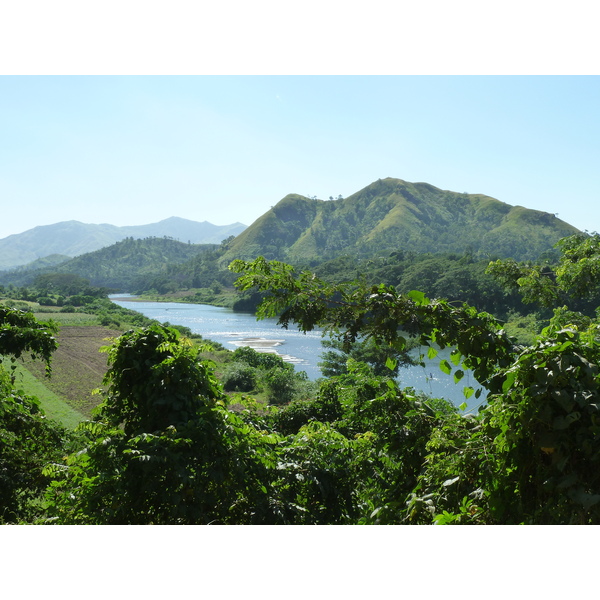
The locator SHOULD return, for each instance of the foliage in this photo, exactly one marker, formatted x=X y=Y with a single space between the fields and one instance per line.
x=574 y=281
x=155 y=380
x=20 y=333
x=68 y=284
x=27 y=438
x=548 y=443
x=239 y=377
x=165 y=448
x=315 y=478
x=392 y=214
x=178 y=457
x=382 y=359
x=530 y=456
x=123 y=265
x=378 y=312
x=264 y=372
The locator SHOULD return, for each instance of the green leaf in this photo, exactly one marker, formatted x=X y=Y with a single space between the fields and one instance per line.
x=445 y=367
x=564 y=422
x=510 y=379
x=418 y=297
x=455 y=357
x=391 y=363
x=468 y=392
x=458 y=375
x=431 y=352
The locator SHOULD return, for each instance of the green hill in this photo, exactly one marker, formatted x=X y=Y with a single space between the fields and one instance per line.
x=392 y=214
x=386 y=218
x=73 y=238
x=121 y=265
x=52 y=260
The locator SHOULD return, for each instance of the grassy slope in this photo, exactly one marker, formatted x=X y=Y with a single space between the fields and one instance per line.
x=54 y=406
x=30 y=375
x=390 y=214
x=78 y=367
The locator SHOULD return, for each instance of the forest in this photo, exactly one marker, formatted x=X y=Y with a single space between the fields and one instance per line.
x=176 y=439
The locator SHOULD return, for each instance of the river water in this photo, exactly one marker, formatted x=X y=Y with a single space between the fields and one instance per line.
x=234 y=329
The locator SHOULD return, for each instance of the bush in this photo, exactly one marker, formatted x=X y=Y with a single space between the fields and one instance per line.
x=239 y=377
x=281 y=385
x=260 y=359
x=107 y=321
x=45 y=301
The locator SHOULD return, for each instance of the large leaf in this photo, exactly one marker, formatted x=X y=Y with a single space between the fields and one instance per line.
x=418 y=297
x=445 y=367
x=510 y=379
x=455 y=357
x=458 y=375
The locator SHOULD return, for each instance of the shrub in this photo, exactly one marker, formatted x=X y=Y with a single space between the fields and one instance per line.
x=239 y=377
x=281 y=384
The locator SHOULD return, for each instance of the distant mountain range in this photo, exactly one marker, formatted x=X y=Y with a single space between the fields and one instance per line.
x=388 y=218
x=72 y=238
x=394 y=215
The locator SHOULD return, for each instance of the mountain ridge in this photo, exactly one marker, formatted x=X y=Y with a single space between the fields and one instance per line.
x=390 y=214
x=73 y=238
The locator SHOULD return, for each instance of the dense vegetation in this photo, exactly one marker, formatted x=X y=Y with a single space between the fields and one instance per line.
x=392 y=214
x=413 y=236
x=72 y=238
x=126 y=265
x=169 y=444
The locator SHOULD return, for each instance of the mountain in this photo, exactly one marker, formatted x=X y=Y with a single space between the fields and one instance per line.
x=390 y=215
x=119 y=266
x=52 y=260
x=72 y=238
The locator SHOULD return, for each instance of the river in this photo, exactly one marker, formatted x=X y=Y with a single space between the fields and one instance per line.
x=234 y=329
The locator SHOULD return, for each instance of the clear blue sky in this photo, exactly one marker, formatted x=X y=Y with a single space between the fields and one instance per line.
x=132 y=150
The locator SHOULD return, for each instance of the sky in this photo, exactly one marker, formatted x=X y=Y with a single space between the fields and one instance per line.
x=131 y=150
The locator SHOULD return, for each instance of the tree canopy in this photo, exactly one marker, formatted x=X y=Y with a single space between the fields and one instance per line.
x=166 y=447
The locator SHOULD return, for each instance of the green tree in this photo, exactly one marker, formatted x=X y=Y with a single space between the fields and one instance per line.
x=530 y=456
x=28 y=440
x=384 y=360
x=163 y=448
x=21 y=333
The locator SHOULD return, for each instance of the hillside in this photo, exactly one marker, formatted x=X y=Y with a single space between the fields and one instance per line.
x=72 y=238
x=120 y=265
x=392 y=214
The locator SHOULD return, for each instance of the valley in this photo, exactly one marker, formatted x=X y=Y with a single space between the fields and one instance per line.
x=190 y=424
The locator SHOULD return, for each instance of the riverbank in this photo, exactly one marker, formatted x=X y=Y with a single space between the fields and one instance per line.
x=224 y=298
x=233 y=329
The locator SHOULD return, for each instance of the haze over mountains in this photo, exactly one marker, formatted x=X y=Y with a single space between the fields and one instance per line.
x=72 y=238
x=388 y=216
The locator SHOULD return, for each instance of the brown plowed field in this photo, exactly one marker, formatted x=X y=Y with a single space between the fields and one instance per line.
x=77 y=366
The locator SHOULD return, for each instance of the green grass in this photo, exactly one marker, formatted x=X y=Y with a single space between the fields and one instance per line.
x=53 y=406
x=67 y=318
